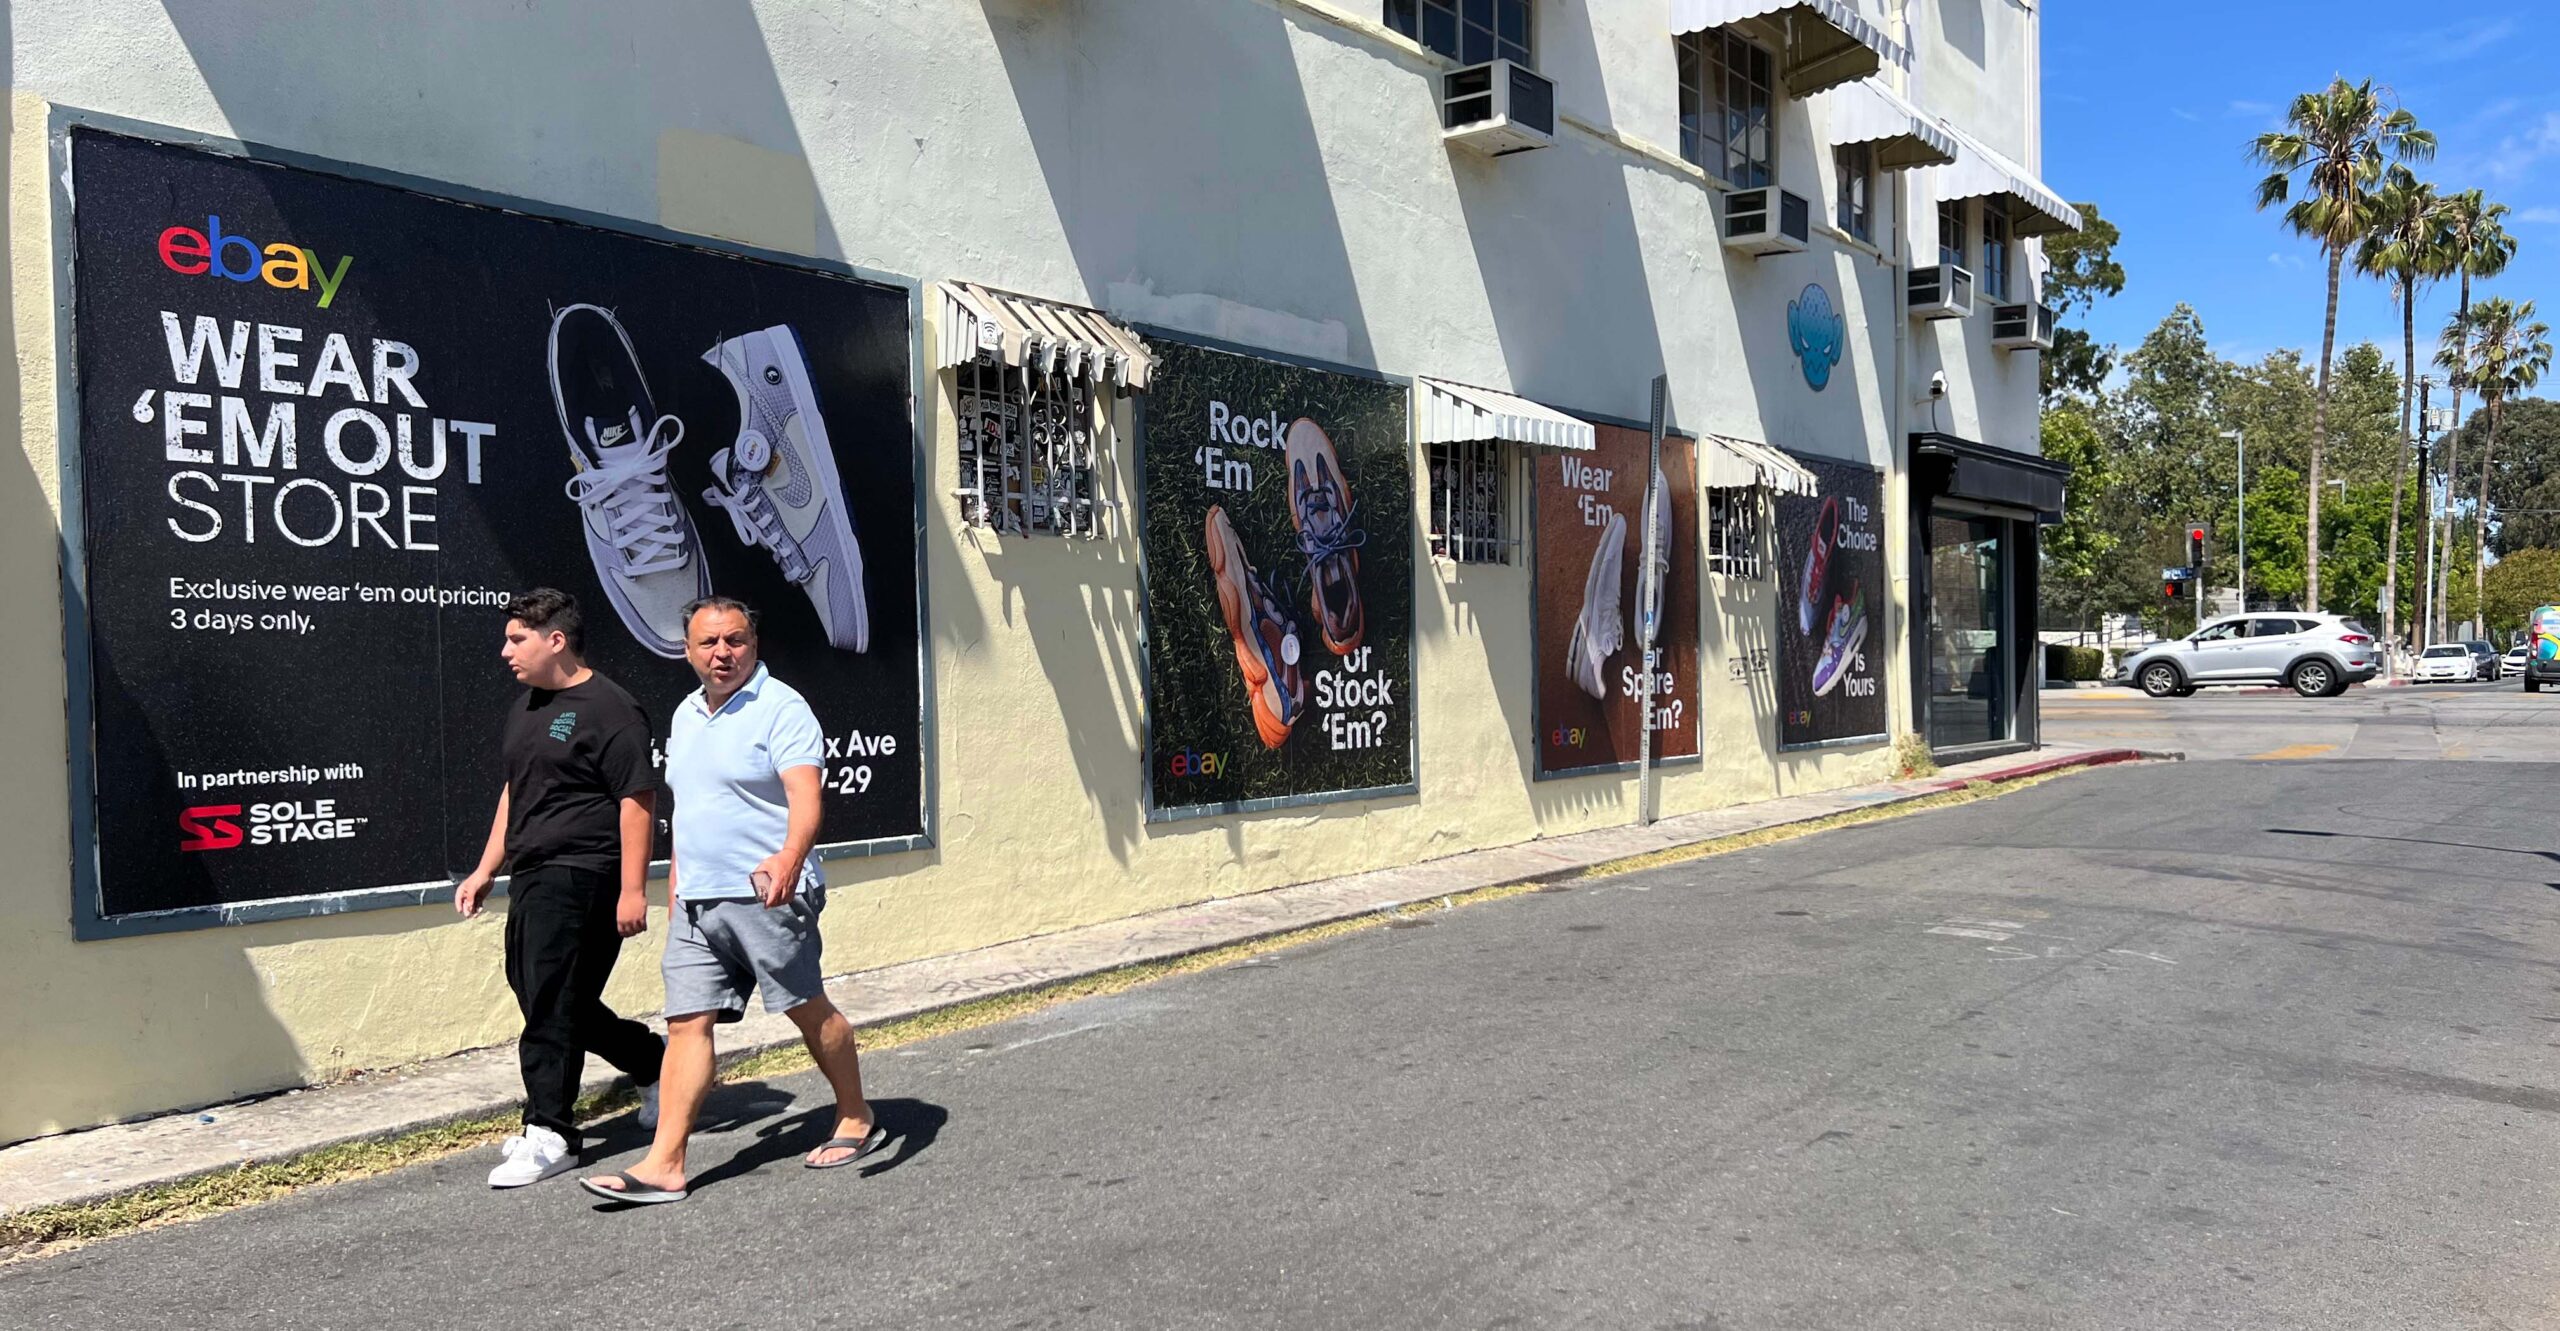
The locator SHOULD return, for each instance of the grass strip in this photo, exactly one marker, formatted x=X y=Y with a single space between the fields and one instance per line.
x=44 y=1231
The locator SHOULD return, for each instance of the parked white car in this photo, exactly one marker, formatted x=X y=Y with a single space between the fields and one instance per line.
x=2448 y=663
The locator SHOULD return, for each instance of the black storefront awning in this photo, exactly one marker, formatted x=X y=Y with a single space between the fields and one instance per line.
x=1963 y=469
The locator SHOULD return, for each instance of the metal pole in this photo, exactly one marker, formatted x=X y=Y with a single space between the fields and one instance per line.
x=2426 y=481
x=1648 y=591
x=2241 y=437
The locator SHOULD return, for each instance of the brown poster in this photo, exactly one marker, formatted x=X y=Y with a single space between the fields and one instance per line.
x=1591 y=620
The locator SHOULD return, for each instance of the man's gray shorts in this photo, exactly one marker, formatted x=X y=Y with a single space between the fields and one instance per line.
x=718 y=950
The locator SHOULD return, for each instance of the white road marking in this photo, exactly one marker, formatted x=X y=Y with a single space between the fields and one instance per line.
x=1989 y=935
x=2146 y=956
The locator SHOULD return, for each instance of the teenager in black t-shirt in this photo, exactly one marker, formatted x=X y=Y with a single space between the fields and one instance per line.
x=573 y=832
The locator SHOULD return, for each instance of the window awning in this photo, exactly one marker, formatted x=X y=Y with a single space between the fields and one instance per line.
x=1980 y=172
x=1739 y=464
x=1041 y=335
x=1457 y=413
x=1869 y=112
x=1989 y=475
x=1828 y=41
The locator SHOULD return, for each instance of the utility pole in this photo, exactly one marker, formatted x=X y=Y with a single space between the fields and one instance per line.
x=1649 y=591
x=2240 y=491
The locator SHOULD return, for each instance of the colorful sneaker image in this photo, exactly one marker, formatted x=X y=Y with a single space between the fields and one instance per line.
x=1320 y=508
x=1601 y=629
x=1847 y=628
x=1817 y=565
x=778 y=482
x=1266 y=642
x=646 y=551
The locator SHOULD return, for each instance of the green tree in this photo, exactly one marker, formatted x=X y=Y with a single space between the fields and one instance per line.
x=2527 y=578
x=2524 y=486
x=2510 y=351
x=2082 y=575
x=2364 y=395
x=2408 y=246
x=2338 y=139
x=2475 y=244
x=2083 y=269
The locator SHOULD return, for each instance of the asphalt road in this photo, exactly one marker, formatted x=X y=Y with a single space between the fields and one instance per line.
x=2497 y=722
x=2207 y=1044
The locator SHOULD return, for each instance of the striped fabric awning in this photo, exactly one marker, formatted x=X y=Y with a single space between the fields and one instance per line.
x=1042 y=335
x=1455 y=413
x=1828 y=41
x=1869 y=112
x=1739 y=464
x=1981 y=172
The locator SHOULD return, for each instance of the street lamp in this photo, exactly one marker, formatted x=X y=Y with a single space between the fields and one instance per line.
x=2241 y=492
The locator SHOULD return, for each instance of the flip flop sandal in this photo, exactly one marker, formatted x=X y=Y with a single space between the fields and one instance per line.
x=633 y=1191
x=860 y=1146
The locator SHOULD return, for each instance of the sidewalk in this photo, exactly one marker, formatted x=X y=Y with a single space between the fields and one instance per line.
x=103 y=1162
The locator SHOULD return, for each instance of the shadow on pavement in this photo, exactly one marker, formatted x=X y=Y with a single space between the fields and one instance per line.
x=2551 y=855
x=913 y=1125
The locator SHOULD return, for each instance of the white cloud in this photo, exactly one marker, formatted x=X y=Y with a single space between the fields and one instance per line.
x=2280 y=259
x=2538 y=216
x=2518 y=153
x=2184 y=114
x=2249 y=110
x=2463 y=42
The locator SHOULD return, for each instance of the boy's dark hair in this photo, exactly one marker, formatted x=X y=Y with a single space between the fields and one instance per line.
x=755 y=621
x=545 y=609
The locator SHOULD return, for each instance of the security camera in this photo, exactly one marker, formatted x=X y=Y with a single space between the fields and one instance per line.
x=1937 y=383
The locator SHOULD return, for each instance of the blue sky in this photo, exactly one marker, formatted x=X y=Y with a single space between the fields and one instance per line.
x=2150 y=107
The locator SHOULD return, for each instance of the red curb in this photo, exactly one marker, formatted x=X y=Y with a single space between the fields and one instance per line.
x=2064 y=763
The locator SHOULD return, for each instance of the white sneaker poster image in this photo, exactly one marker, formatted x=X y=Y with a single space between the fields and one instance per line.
x=1590 y=612
x=328 y=426
x=1831 y=602
x=1278 y=547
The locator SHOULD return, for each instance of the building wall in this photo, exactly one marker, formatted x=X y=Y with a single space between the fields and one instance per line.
x=1267 y=172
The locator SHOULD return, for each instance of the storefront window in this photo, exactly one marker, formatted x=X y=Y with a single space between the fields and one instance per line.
x=1968 y=652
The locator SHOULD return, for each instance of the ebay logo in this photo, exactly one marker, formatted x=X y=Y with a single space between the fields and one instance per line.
x=214 y=252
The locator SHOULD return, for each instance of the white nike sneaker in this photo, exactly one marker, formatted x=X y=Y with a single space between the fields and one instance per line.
x=1661 y=559
x=644 y=546
x=1600 y=630
x=778 y=482
x=530 y=1157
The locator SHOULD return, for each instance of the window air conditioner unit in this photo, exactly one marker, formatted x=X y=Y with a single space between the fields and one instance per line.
x=1497 y=108
x=2022 y=327
x=1767 y=220
x=1943 y=291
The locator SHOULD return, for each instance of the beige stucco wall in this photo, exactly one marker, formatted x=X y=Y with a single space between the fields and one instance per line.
x=1299 y=200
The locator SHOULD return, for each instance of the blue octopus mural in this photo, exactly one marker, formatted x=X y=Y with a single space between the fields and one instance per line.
x=1817 y=333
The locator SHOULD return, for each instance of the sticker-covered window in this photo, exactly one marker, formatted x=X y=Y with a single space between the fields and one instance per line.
x=1030 y=447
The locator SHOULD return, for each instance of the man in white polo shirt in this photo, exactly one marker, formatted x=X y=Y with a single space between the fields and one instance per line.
x=744 y=755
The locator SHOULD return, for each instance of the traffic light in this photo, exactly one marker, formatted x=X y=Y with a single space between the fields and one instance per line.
x=2197 y=555
x=2169 y=590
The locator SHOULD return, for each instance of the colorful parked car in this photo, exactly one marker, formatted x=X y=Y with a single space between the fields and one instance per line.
x=2542 y=648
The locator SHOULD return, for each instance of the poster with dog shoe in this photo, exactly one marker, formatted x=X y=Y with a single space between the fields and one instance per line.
x=328 y=426
x=1278 y=543
x=1590 y=562
x=1831 y=602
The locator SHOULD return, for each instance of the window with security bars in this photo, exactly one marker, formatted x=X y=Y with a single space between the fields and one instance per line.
x=1467 y=31
x=1472 y=516
x=1728 y=105
x=1733 y=532
x=1031 y=447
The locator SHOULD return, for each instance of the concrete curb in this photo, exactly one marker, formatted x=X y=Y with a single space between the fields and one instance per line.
x=109 y=1161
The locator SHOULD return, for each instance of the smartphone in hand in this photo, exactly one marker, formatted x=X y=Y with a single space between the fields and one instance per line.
x=762 y=882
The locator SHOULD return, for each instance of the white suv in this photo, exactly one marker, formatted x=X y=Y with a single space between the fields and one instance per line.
x=2317 y=656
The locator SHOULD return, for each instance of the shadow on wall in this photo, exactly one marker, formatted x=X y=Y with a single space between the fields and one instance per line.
x=625 y=127
x=1961 y=26
x=1247 y=265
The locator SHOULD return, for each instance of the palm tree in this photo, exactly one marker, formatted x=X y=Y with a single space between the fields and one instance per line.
x=2477 y=245
x=2338 y=139
x=2408 y=246
x=2510 y=351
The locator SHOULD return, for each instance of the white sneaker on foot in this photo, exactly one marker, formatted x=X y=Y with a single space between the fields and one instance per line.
x=531 y=1156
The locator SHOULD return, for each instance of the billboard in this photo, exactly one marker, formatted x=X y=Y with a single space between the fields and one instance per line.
x=1831 y=602
x=328 y=426
x=1278 y=547
x=1590 y=612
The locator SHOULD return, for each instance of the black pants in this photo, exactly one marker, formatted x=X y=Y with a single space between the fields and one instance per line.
x=561 y=944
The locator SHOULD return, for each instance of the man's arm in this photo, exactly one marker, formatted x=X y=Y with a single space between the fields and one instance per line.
x=474 y=888
x=639 y=828
x=800 y=788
